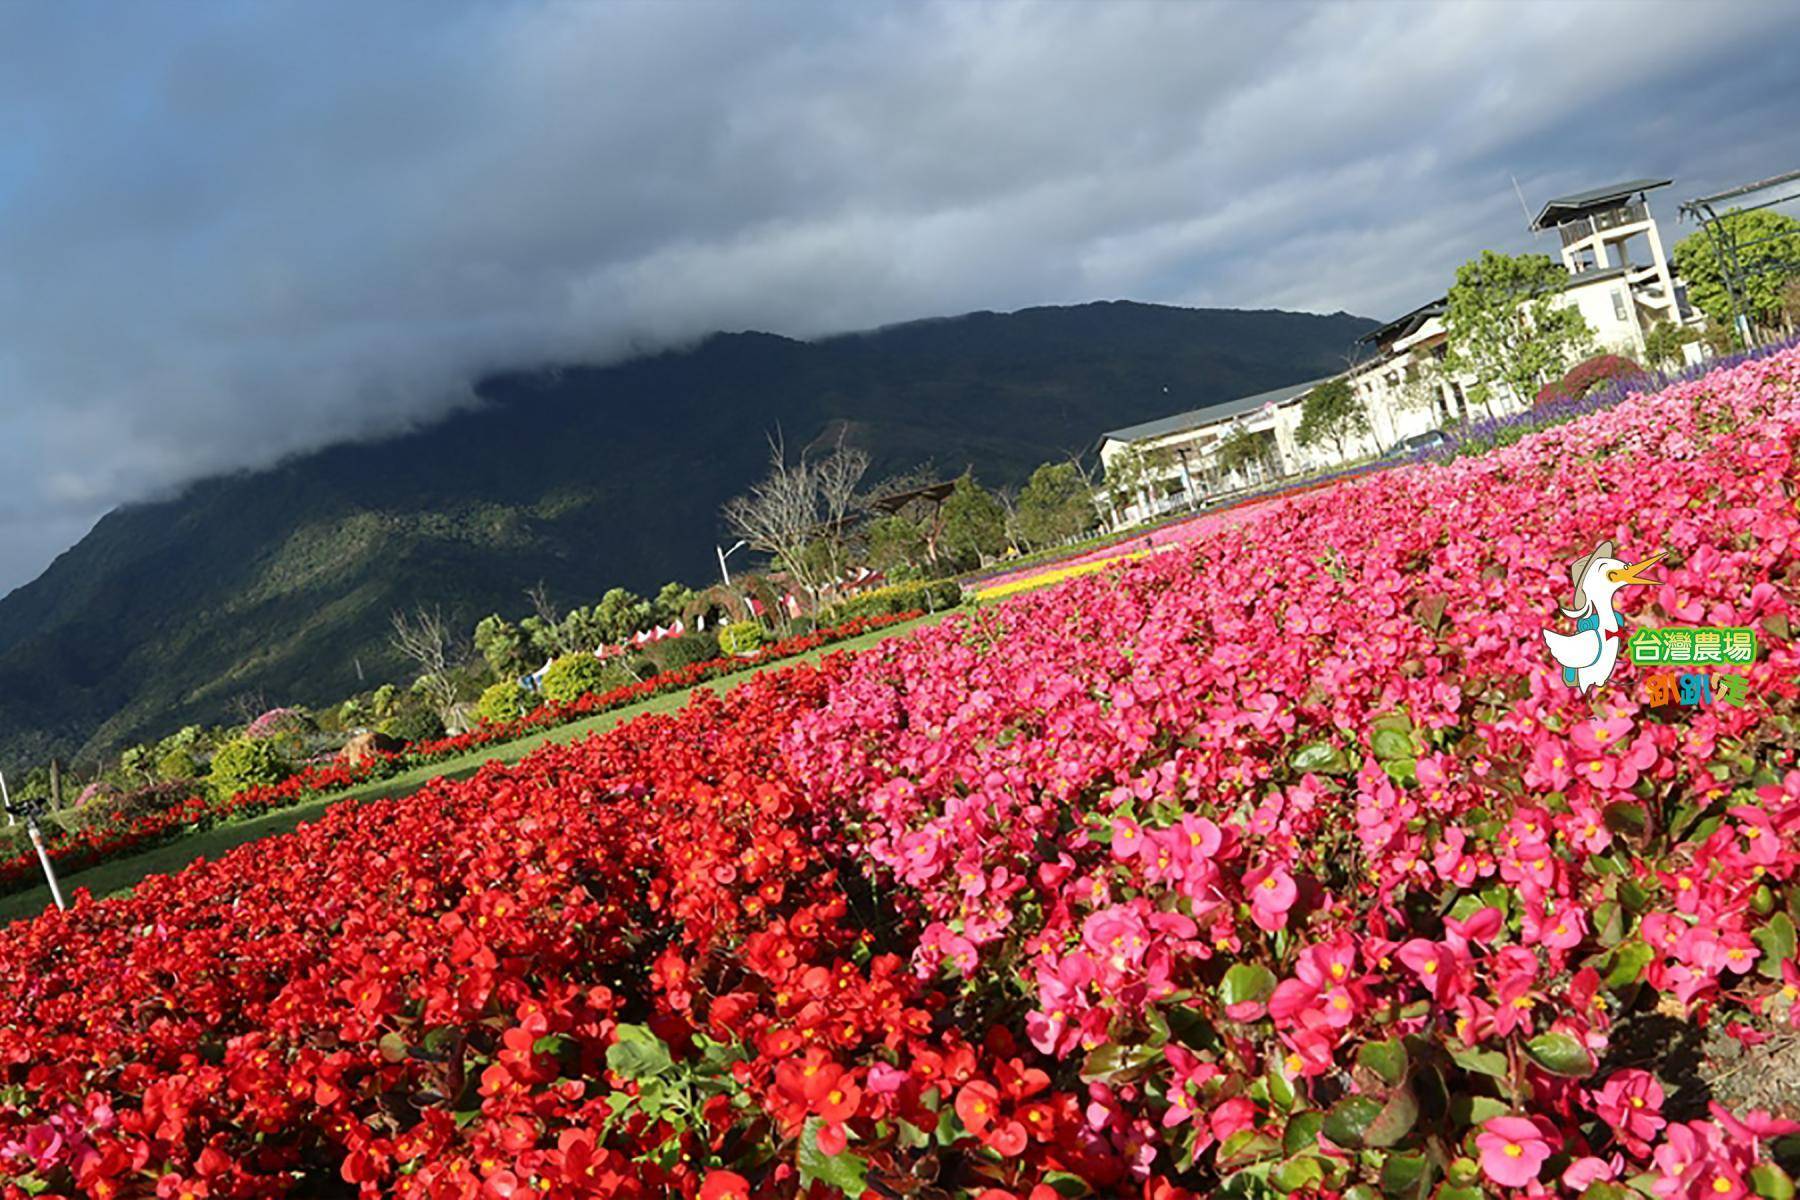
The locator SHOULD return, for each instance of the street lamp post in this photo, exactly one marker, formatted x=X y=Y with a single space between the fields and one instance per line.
x=37 y=841
x=725 y=554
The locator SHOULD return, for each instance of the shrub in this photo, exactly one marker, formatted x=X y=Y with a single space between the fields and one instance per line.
x=741 y=637
x=504 y=701
x=245 y=763
x=1588 y=375
x=575 y=675
x=674 y=653
x=415 y=723
x=177 y=765
x=933 y=596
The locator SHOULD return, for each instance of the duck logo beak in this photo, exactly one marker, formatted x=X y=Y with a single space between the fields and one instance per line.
x=1635 y=572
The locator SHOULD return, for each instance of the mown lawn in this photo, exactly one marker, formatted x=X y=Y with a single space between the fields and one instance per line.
x=120 y=875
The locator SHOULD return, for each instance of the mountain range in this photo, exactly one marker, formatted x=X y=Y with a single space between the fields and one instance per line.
x=279 y=583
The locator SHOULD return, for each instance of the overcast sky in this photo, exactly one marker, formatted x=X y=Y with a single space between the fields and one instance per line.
x=230 y=232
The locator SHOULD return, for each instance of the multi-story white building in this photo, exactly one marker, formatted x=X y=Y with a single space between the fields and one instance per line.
x=1619 y=278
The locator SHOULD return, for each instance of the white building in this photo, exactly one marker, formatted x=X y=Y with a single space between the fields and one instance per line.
x=1619 y=278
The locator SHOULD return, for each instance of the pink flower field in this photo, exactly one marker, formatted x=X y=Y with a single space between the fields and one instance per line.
x=1279 y=864
x=1298 y=830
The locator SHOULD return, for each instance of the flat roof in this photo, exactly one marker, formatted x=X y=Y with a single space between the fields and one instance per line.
x=1406 y=323
x=1562 y=208
x=1197 y=418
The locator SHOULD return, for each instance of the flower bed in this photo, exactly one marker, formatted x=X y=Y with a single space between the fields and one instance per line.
x=76 y=850
x=1282 y=864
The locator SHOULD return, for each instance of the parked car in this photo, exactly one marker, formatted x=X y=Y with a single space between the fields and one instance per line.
x=1419 y=442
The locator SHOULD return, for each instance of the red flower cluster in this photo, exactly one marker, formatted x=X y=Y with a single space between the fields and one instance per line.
x=122 y=836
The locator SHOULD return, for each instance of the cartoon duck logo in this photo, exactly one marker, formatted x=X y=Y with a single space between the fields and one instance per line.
x=1589 y=655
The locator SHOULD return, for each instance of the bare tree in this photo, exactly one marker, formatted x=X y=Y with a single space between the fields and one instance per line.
x=429 y=641
x=779 y=514
x=836 y=478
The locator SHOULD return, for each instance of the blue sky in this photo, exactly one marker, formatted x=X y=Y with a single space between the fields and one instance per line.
x=229 y=233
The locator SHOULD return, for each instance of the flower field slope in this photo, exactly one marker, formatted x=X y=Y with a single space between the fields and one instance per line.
x=1282 y=863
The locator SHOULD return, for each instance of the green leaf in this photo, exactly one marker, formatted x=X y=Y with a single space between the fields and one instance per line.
x=1065 y=1184
x=1302 y=1133
x=1606 y=1190
x=1246 y=1146
x=1392 y=743
x=1627 y=818
x=1387 y=1059
x=1349 y=1119
x=392 y=1047
x=1633 y=896
x=1560 y=1054
x=1247 y=983
x=910 y=1136
x=1402 y=1173
x=1628 y=960
x=1111 y=1061
x=1483 y=1062
x=1394 y=1121
x=847 y=1172
x=1460 y=1193
x=1318 y=757
x=1474 y=1110
x=1279 y=1087
x=1297 y=1173
x=1771 y=1182
x=1403 y=771
x=638 y=1053
x=1609 y=922
x=1776 y=938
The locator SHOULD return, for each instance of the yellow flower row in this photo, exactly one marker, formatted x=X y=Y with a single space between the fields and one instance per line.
x=1056 y=575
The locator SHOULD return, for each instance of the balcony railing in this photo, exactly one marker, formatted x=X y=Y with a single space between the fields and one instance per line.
x=1612 y=218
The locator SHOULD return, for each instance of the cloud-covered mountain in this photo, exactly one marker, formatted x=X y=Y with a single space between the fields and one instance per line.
x=280 y=581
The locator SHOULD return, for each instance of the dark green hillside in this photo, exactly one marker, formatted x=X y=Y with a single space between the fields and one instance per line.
x=280 y=581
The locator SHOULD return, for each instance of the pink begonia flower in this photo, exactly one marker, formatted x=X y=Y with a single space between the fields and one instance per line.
x=1512 y=1151
x=1231 y=1115
x=884 y=1079
x=1757 y=1125
x=1631 y=1103
x=1584 y=1172
x=1271 y=896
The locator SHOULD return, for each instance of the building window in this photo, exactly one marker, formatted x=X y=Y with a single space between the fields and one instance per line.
x=1619 y=303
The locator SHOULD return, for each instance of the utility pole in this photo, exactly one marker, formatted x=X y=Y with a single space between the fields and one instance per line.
x=37 y=841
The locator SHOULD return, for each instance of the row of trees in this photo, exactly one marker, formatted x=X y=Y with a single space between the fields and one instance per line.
x=811 y=516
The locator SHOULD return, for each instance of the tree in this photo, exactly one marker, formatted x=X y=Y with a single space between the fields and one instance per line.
x=1055 y=505
x=1239 y=451
x=619 y=614
x=836 y=477
x=974 y=522
x=671 y=601
x=1509 y=325
x=1331 y=411
x=1127 y=472
x=1766 y=266
x=426 y=638
x=503 y=646
x=1663 y=342
x=894 y=542
x=797 y=505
